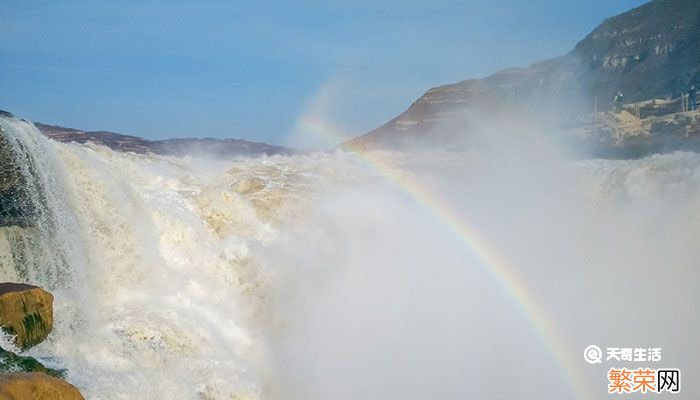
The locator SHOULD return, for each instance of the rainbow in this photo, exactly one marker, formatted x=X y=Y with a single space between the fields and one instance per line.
x=496 y=265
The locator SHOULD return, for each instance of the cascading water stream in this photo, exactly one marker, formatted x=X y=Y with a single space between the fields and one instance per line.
x=157 y=294
x=39 y=236
x=313 y=277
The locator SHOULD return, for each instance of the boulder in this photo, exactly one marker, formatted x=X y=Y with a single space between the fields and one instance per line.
x=11 y=362
x=36 y=386
x=26 y=311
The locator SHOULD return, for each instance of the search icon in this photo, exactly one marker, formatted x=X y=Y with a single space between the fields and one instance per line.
x=593 y=355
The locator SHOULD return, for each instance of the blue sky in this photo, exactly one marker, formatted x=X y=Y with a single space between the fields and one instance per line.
x=251 y=69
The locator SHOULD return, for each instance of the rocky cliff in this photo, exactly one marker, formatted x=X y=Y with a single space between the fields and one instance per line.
x=16 y=207
x=651 y=52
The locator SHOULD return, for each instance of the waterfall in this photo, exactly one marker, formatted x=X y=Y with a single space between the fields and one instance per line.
x=39 y=236
x=318 y=276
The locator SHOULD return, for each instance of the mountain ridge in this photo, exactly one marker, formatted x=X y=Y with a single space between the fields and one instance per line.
x=220 y=148
x=649 y=52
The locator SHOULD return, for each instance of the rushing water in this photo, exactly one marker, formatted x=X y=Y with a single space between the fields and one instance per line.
x=316 y=277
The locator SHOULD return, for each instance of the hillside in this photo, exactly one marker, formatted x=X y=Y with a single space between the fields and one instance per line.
x=651 y=52
x=220 y=148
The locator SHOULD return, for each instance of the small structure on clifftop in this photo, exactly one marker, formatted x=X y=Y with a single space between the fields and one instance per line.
x=618 y=102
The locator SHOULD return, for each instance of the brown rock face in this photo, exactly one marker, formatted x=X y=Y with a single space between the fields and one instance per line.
x=15 y=207
x=650 y=52
x=36 y=386
x=27 y=312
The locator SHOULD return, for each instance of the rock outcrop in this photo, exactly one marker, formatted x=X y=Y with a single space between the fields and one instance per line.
x=36 y=386
x=15 y=207
x=11 y=362
x=26 y=311
x=624 y=136
x=650 y=52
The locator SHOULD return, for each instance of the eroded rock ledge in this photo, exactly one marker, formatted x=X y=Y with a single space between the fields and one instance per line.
x=26 y=312
x=36 y=386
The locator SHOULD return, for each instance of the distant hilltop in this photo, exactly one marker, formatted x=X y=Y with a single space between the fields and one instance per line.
x=651 y=52
x=212 y=147
x=220 y=148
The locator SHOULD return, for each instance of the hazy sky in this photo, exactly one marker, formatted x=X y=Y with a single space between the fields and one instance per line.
x=252 y=69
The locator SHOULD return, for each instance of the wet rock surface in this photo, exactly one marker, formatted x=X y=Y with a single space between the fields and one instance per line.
x=26 y=312
x=15 y=206
x=36 y=386
x=11 y=362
